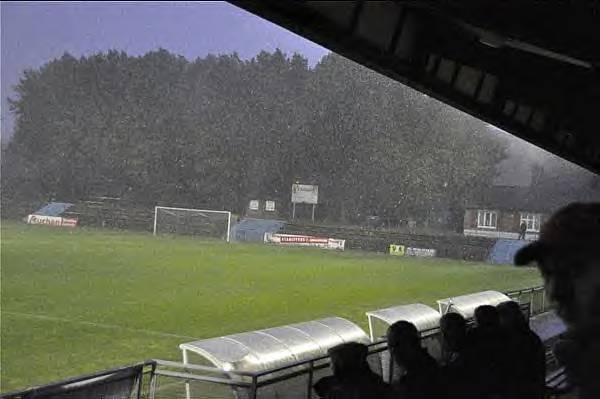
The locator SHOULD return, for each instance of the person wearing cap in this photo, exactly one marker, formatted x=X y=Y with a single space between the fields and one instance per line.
x=352 y=377
x=568 y=256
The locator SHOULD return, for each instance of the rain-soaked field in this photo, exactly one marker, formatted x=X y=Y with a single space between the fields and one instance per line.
x=76 y=301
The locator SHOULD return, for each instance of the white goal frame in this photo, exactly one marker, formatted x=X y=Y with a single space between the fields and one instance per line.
x=156 y=208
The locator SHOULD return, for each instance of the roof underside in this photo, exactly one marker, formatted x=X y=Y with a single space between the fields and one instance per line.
x=528 y=67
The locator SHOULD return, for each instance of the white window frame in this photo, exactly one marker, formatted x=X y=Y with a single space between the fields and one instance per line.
x=254 y=205
x=269 y=206
x=531 y=219
x=484 y=216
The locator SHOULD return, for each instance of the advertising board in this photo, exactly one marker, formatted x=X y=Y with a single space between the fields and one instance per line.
x=51 y=221
x=306 y=241
x=401 y=250
x=305 y=194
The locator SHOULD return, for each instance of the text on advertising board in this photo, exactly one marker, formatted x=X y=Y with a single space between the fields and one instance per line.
x=51 y=221
x=401 y=250
x=301 y=240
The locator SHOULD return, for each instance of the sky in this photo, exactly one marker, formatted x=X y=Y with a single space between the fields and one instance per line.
x=33 y=33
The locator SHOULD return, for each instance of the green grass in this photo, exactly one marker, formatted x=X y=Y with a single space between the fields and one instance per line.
x=56 y=283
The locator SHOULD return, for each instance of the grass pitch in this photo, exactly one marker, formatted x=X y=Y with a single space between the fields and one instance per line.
x=81 y=300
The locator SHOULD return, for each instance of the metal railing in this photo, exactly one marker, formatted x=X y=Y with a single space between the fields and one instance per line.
x=302 y=375
x=132 y=381
x=535 y=296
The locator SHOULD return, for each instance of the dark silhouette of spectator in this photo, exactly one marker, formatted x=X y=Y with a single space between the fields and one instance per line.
x=568 y=256
x=455 y=364
x=526 y=354
x=453 y=329
x=421 y=377
x=522 y=230
x=352 y=377
x=487 y=353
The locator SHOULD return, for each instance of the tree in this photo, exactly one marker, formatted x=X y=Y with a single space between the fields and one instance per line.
x=218 y=131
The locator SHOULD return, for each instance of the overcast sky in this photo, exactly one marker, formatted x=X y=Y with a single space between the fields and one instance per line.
x=33 y=33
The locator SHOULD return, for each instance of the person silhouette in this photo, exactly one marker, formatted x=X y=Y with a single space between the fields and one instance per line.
x=526 y=353
x=352 y=377
x=522 y=230
x=568 y=256
x=486 y=351
x=421 y=377
x=455 y=364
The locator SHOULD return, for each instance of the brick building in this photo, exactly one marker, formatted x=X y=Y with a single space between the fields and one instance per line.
x=499 y=212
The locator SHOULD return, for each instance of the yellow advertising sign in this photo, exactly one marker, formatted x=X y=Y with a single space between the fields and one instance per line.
x=397 y=250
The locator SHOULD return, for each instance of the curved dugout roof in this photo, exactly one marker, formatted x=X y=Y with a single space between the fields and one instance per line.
x=466 y=304
x=422 y=316
x=271 y=348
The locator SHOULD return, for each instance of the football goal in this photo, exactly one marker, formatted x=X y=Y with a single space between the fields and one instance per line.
x=201 y=222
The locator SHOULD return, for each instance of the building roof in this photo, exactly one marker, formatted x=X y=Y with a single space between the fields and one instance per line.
x=507 y=198
x=544 y=198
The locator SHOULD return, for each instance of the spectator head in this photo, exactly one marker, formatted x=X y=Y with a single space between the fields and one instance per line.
x=403 y=341
x=511 y=317
x=568 y=255
x=348 y=359
x=486 y=317
x=453 y=327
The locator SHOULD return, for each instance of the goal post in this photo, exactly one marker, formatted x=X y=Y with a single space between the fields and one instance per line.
x=187 y=221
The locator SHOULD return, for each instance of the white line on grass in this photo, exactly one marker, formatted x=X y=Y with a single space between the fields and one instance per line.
x=99 y=325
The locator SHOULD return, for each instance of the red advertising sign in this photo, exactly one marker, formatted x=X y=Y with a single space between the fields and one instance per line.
x=308 y=241
x=51 y=221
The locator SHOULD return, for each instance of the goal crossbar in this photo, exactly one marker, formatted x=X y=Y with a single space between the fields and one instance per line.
x=228 y=213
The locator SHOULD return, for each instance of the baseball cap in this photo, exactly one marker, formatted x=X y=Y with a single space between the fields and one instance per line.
x=573 y=229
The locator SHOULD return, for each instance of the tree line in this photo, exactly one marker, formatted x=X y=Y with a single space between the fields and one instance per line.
x=219 y=131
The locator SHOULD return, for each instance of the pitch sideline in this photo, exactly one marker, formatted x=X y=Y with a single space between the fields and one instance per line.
x=99 y=325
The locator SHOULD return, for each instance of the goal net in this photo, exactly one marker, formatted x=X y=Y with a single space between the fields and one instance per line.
x=200 y=222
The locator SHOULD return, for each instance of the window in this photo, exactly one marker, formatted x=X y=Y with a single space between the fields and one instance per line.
x=487 y=219
x=253 y=205
x=270 y=206
x=532 y=220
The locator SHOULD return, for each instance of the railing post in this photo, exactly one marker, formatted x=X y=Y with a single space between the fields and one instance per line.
x=531 y=301
x=310 y=379
x=188 y=390
x=139 y=383
x=253 y=388
x=543 y=300
x=152 y=392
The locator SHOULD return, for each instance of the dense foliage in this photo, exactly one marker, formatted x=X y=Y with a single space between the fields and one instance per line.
x=219 y=131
